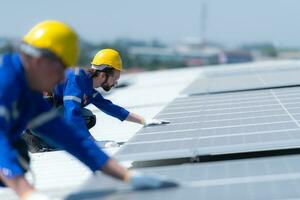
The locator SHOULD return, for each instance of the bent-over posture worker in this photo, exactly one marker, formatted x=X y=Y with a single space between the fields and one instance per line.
x=47 y=49
x=78 y=90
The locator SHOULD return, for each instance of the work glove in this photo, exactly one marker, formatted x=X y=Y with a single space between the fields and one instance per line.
x=37 y=196
x=140 y=181
x=155 y=122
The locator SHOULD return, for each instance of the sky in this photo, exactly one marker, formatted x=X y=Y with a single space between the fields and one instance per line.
x=230 y=22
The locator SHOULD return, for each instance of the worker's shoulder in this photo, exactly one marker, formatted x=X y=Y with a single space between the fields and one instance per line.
x=10 y=87
x=8 y=74
x=75 y=72
x=1 y=60
x=4 y=62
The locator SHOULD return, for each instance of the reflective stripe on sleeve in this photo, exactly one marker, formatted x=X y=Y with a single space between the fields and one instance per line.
x=73 y=98
x=6 y=172
x=4 y=113
x=42 y=118
x=95 y=94
x=76 y=71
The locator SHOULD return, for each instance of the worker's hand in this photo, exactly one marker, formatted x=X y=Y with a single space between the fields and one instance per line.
x=36 y=196
x=155 y=122
x=140 y=181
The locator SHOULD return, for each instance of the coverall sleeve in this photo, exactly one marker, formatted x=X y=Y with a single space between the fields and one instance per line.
x=108 y=107
x=65 y=135
x=73 y=95
x=9 y=164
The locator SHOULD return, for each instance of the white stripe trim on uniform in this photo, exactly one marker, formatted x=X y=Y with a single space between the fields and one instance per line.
x=95 y=94
x=76 y=71
x=4 y=112
x=72 y=98
x=6 y=172
x=42 y=118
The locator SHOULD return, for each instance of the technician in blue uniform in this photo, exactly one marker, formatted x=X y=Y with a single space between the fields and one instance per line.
x=47 y=49
x=78 y=91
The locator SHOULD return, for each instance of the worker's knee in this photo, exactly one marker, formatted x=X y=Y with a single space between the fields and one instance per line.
x=35 y=143
x=89 y=118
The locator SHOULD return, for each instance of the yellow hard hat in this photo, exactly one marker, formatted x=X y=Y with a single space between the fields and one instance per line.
x=57 y=37
x=108 y=57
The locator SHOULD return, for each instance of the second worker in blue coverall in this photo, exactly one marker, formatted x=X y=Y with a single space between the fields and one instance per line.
x=78 y=90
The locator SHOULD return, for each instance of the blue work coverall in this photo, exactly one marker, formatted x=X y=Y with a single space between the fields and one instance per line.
x=77 y=92
x=21 y=107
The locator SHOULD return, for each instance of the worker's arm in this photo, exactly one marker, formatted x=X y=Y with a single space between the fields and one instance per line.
x=9 y=164
x=114 y=169
x=121 y=113
x=11 y=173
x=108 y=107
x=135 y=179
x=23 y=189
x=19 y=184
x=132 y=117
x=67 y=136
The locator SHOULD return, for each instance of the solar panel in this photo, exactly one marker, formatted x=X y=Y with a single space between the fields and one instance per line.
x=219 y=80
x=221 y=124
x=260 y=178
